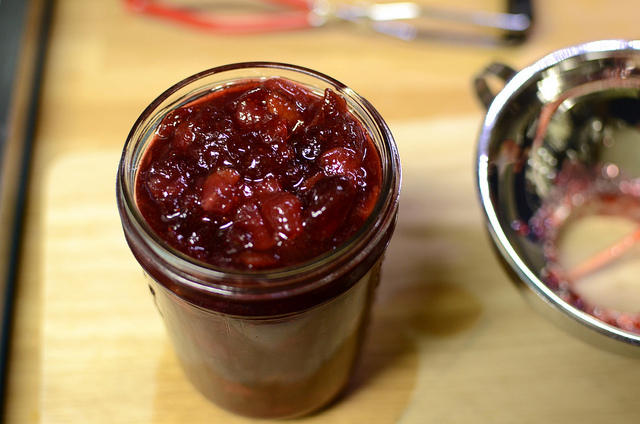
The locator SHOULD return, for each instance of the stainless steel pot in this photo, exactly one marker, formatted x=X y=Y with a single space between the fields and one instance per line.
x=561 y=109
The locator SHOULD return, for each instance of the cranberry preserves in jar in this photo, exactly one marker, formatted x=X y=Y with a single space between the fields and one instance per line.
x=260 y=198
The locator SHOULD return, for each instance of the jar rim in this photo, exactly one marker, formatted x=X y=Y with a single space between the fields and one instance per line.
x=229 y=281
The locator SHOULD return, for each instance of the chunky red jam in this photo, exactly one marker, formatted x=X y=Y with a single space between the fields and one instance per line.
x=261 y=174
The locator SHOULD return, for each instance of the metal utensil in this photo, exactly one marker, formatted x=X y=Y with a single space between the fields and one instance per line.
x=403 y=20
x=558 y=114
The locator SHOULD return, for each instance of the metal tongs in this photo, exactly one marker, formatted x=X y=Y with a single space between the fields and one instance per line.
x=403 y=20
x=412 y=21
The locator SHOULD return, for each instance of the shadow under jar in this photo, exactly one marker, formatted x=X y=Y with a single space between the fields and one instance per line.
x=265 y=338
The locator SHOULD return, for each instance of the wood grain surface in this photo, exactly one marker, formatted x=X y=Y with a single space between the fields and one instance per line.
x=451 y=340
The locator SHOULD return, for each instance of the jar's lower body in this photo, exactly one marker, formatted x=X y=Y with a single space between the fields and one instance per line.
x=270 y=367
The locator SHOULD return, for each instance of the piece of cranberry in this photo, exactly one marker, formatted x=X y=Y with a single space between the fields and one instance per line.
x=169 y=178
x=249 y=220
x=282 y=107
x=341 y=161
x=327 y=203
x=313 y=143
x=261 y=189
x=283 y=213
x=297 y=173
x=219 y=192
x=167 y=126
x=258 y=162
x=345 y=129
x=250 y=108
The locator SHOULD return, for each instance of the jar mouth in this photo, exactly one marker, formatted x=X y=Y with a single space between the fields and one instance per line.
x=225 y=280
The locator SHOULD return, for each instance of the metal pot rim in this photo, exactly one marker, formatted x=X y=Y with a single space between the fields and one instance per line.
x=544 y=299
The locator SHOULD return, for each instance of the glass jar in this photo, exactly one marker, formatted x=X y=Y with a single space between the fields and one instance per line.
x=277 y=343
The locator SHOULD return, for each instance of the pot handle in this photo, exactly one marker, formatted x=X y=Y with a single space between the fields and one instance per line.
x=496 y=69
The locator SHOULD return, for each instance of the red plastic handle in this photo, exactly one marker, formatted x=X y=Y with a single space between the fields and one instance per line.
x=296 y=18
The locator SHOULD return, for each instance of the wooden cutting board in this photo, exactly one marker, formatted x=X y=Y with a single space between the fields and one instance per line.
x=451 y=339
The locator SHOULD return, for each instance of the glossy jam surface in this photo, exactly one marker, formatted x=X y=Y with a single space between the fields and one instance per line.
x=260 y=174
